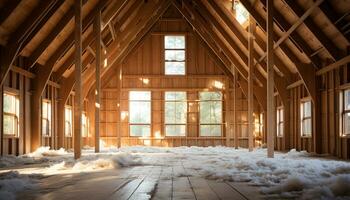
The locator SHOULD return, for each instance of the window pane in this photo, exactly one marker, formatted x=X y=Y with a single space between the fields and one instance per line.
x=46 y=129
x=85 y=127
x=140 y=130
x=210 y=96
x=210 y=112
x=9 y=103
x=210 y=130
x=140 y=95
x=174 y=55
x=175 y=68
x=174 y=42
x=175 y=96
x=307 y=109
x=307 y=127
x=175 y=130
x=140 y=112
x=347 y=123
x=68 y=129
x=347 y=99
x=9 y=125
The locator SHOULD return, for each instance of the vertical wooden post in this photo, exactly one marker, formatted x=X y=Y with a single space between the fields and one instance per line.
x=227 y=114
x=252 y=27
x=271 y=128
x=120 y=104
x=234 y=108
x=78 y=100
x=97 y=32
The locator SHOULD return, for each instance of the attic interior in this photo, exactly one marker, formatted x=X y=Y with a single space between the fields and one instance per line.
x=175 y=99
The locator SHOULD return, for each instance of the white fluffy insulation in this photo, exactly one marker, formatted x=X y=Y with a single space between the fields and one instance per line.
x=296 y=175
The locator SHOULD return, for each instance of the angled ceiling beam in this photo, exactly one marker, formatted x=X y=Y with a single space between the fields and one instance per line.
x=229 y=21
x=299 y=65
x=294 y=36
x=287 y=33
x=38 y=51
x=112 y=10
x=111 y=29
x=310 y=24
x=206 y=37
x=15 y=43
x=211 y=39
x=9 y=7
x=335 y=18
x=115 y=52
x=46 y=71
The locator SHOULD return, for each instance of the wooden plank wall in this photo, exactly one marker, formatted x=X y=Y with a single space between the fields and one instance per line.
x=19 y=84
x=144 y=70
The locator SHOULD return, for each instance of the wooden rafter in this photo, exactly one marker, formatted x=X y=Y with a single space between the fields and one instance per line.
x=292 y=28
x=8 y=9
x=15 y=43
x=296 y=37
x=335 y=18
x=134 y=35
x=298 y=64
x=324 y=40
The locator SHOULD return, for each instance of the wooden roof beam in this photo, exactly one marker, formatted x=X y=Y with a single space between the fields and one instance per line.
x=294 y=36
x=324 y=40
x=9 y=7
x=299 y=65
x=117 y=49
x=292 y=28
x=111 y=29
x=15 y=43
x=229 y=22
x=206 y=37
x=335 y=18
x=38 y=51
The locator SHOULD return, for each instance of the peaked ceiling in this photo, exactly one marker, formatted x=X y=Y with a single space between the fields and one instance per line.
x=41 y=36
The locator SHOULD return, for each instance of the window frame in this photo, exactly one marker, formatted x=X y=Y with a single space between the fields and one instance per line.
x=140 y=124
x=49 y=119
x=342 y=112
x=303 y=118
x=14 y=115
x=175 y=124
x=279 y=122
x=175 y=49
x=221 y=124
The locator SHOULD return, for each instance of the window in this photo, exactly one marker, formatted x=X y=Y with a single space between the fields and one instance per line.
x=175 y=55
x=46 y=118
x=11 y=114
x=210 y=106
x=280 y=120
x=85 y=125
x=175 y=113
x=305 y=112
x=241 y=13
x=68 y=115
x=259 y=125
x=344 y=110
x=140 y=113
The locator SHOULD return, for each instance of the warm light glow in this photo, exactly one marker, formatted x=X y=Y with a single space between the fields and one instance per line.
x=118 y=104
x=124 y=115
x=157 y=135
x=147 y=142
x=144 y=80
x=96 y=92
x=105 y=62
x=97 y=105
x=218 y=85
x=241 y=13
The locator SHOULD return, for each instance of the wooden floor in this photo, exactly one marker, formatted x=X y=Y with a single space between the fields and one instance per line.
x=172 y=181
